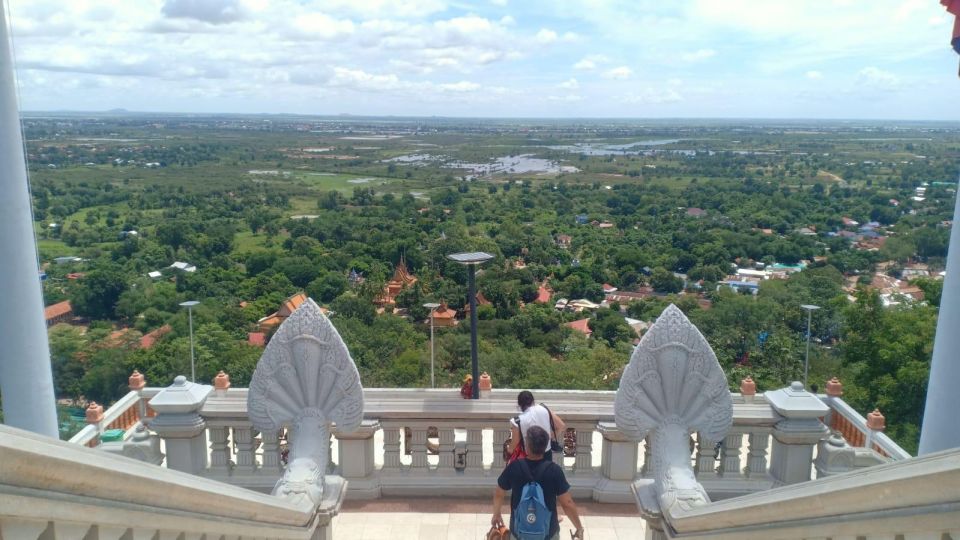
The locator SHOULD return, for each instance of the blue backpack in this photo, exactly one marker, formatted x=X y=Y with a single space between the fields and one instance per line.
x=531 y=518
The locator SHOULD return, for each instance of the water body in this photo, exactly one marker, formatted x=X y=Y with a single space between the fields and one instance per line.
x=521 y=164
x=625 y=149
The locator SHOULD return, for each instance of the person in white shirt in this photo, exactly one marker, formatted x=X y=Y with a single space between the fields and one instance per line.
x=533 y=414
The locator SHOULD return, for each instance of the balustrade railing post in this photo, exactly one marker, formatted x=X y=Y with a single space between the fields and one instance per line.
x=418 y=448
x=795 y=436
x=730 y=455
x=757 y=453
x=618 y=465
x=445 y=450
x=245 y=438
x=475 y=449
x=220 y=462
x=179 y=424
x=391 y=447
x=583 y=461
x=357 y=453
x=271 y=453
x=706 y=464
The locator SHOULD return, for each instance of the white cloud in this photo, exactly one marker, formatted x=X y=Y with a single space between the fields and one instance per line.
x=872 y=77
x=546 y=35
x=209 y=11
x=618 y=73
x=700 y=54
x=814 y=75
x=569 y=98
x=462 y=86
x=407 y=9
x=321 y=26
x=651 y=96
x=570 y=84
x=591 y=62
x=500 y=3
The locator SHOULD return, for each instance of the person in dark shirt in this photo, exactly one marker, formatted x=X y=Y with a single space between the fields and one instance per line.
x=551 y=478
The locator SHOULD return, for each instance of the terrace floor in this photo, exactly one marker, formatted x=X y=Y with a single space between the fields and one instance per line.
x=468 y=519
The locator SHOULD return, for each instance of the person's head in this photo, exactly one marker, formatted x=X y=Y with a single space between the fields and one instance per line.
x=537 y=441
x=524 y=400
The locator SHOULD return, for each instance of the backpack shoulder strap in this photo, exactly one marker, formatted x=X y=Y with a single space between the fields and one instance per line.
x=553 y=428
x=525 y=467
x=539 y=470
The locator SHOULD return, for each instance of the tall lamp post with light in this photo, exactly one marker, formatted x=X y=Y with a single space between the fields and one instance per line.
x=432 y=306
x=809 y=308
x=193 y=365
x=471 y=261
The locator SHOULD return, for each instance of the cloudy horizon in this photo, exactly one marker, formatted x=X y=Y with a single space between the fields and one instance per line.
x=887 y=59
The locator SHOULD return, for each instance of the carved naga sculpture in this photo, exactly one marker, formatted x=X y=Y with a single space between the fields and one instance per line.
x=306 y=380
x=672 y=387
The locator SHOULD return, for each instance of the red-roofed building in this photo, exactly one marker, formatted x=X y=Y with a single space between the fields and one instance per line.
x=543 y=295
x=150 y=338
x=258 y=339
x=608 y=288
x=444 y=316
x=581 y=326
x=286 y=309
x=402 y=278
x=58 y=313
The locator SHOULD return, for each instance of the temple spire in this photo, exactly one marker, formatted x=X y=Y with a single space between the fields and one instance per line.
x=939 y=431
x=26 y=380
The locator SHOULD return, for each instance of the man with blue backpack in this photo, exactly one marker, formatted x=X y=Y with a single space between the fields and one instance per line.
x=537 y=486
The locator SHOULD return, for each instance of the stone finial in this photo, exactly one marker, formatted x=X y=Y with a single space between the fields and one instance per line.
x=94 y=413
x=876 y=421
x=748 y=387
x=485 y=383
x=307 y=380
x=221 y=381
x=834 y=387
x=136 y=382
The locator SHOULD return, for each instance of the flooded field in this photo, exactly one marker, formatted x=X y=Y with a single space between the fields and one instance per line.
x=520 y=164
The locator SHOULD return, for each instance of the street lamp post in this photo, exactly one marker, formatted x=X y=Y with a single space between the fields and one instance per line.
x=472 y=260
x=809 y=308
x=432 y=306
x=193 y=365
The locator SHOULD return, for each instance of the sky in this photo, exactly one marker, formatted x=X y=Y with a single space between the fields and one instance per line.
x=860 y=59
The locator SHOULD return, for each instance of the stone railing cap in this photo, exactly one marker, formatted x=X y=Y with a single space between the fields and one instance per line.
x=795 y=402
x=181 y=397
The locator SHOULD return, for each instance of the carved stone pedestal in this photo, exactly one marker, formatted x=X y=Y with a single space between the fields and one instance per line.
x=335 y=490
x=797 y=434
x=179 y=424
x=356 y=460
x=618 y=467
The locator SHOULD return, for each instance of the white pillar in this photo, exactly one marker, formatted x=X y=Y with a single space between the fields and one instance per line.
x=939 y=430
x=26 y=380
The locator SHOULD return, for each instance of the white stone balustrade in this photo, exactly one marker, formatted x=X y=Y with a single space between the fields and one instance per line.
x=381 y=465
x=54 y=490
x=913 y=499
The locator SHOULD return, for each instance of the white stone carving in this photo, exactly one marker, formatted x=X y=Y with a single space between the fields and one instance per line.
x=306 y=380
x=672 y=387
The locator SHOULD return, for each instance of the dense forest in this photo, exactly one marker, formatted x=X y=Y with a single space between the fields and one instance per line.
x=668 y=212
